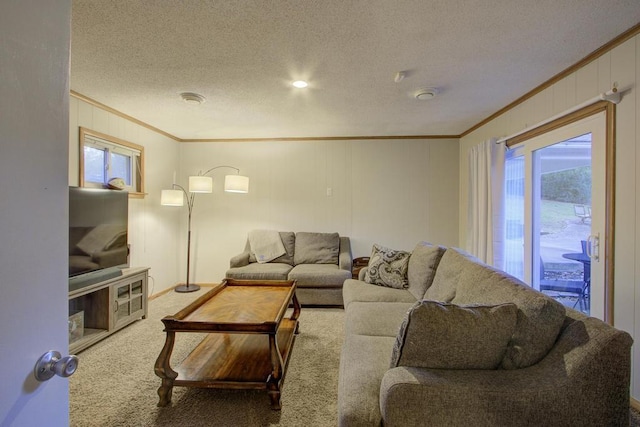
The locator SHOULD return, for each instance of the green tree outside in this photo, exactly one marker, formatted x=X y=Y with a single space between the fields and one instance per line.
x=570 y=186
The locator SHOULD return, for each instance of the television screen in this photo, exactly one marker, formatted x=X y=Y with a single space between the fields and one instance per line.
x=98 y=222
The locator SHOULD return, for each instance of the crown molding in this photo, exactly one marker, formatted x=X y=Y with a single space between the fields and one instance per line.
x=325 y=138
x=303 y=138
x=121 y=114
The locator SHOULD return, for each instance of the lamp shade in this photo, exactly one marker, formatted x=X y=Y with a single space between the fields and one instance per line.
x=200 y=184
x=236 y=184
x=172 y=198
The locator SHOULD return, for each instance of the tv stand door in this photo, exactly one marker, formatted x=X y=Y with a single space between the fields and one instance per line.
x=129 y=300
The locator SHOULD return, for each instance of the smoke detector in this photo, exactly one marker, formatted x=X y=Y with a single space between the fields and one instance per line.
x=426 y=94
x=192 y=98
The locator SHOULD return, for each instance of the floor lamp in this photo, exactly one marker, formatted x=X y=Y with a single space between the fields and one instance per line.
x=200 y=183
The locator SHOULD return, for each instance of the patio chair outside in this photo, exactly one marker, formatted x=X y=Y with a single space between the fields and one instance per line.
x=577 y=288
x=583 y=212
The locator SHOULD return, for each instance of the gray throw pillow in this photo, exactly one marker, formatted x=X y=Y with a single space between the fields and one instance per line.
x=387 y=267
x=422 y=267
x=317 y=248
x=469 y=281
x=445 y=336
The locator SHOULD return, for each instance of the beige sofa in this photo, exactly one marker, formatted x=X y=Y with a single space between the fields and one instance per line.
x=424 y=355
x=318 y=262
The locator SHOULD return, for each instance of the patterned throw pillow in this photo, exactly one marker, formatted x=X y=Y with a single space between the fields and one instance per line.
x=388 y=267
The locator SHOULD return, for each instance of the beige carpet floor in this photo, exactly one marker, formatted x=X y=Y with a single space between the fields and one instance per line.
x=115 y=384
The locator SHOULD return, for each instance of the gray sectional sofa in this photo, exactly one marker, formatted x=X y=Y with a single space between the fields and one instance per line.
x=318 y=262
x=465 y=344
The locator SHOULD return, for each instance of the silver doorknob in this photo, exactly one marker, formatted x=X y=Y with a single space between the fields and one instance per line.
x=52 y=363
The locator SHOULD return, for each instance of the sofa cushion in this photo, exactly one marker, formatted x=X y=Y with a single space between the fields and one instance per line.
x=256 y=271
x=357 y=290
x=288 y=240
x=446 y=336
x=421 y=270
x=363 y=363
x=316 y=248
x=445 y=282
x=319 y=275
x=375 y=318
x=540 y=317
x=387 y=267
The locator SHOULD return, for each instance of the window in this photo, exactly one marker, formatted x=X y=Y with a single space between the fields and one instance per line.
x=104 y=158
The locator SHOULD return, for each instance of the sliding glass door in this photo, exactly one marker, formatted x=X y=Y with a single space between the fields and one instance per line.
x=555 y=213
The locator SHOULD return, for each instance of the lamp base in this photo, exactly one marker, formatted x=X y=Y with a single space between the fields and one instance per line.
x=187 y=288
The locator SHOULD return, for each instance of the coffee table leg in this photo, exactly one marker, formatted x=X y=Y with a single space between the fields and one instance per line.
x=164 y=371
x=296 y=312
x=274 y=395
x=273 y=382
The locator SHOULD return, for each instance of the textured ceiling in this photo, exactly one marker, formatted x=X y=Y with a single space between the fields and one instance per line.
x=137 y=56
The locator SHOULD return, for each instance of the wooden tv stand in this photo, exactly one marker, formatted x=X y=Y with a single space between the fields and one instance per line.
x=109 y=305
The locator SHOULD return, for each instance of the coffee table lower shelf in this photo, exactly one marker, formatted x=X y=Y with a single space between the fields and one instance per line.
x=236 y=361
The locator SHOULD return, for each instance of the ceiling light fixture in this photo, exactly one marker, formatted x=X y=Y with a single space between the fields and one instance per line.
x=300 y=84
x=426 y=93
x=192 y=98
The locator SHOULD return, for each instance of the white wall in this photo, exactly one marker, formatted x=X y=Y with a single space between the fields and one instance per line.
x=392 y=192
x=621 y=65
x=153 y=229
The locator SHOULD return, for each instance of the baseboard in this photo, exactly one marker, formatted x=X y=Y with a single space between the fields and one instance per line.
x=635 y=404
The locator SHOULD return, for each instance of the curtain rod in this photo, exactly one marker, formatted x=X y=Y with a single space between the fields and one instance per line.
x=614 y=95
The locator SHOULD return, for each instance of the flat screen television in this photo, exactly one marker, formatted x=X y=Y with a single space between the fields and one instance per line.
x=98 y=223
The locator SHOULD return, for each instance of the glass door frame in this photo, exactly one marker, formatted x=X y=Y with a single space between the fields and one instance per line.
x=610 y=136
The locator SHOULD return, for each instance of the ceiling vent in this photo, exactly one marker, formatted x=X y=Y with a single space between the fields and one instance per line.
x=192 y=98
x=426 y=94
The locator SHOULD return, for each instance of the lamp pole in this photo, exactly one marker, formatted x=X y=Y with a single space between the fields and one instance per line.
x=190 y=199
x=218 y=167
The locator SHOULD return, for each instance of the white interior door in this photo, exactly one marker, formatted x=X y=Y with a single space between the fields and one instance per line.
x=34 y=146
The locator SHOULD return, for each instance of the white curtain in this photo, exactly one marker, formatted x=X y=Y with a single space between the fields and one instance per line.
x=485 y=221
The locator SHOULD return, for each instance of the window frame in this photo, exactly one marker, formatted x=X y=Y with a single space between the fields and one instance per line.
x=91 y=138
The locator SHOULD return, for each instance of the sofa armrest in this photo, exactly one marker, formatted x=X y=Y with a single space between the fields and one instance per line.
x=584 y=380
x=239 y=260
x=345 y=260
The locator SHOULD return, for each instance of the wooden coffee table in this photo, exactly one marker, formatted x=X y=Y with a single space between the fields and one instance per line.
x=248 y=344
